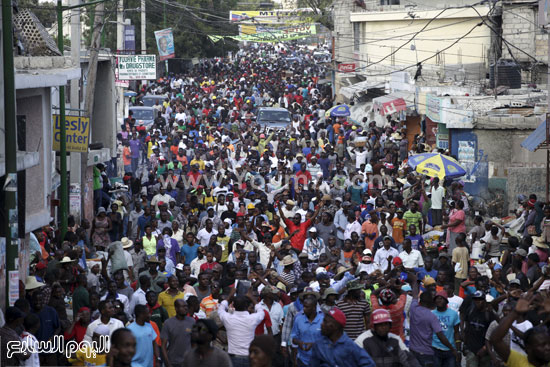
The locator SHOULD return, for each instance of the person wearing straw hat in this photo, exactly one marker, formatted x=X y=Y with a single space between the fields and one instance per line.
x=356 y=309
x=127 y=244
x=287 y=273
x=31 y=284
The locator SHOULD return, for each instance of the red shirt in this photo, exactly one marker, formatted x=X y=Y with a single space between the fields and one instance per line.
x=78 y=333
x=396 y=313
x=297 y=241
x=303 y=177
x=208 y=266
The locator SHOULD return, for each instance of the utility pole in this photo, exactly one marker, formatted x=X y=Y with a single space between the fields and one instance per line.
x=9 y=187
x=76 y=168
x=63 y=189
x=120 y=48
x=143 y=40
x=164 y=11
x=92 y=63
x=333 y=72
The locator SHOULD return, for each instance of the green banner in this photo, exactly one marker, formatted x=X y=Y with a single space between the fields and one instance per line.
x=215 y=38
x=281 y=35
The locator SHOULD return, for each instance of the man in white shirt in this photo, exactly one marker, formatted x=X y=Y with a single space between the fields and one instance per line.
x=30 y=343
x=360 y=156
x=411 y=258
x=208 y=231
x=382 y=256
x=314 y=246
x=269 y=303
x=352 y=226
x=240 y=325
x=438 y=194
x=107 y=311
x=112 y=293
x=162 y=196
x=138 y=298
x=197 y=262
x=366 y=264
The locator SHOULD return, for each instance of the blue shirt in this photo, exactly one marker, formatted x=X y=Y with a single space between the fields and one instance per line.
x=145 y=336
x=424 y=324
x=49 y=322
x=307 y=332
x=421 y=273
x=448 y=320
x=344 y=352
x=417 y=242
x=190 y=252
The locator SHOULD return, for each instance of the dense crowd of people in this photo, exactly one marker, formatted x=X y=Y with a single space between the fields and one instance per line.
x=225 y=243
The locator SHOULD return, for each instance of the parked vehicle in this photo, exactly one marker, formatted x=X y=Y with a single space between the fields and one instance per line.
x=273 y=118
x=143 y=114
x=150 y=100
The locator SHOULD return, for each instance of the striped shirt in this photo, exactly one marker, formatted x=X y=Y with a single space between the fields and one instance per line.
x=209 y=305
x=355 y=316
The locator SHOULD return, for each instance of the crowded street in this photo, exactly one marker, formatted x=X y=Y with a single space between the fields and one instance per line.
x=250 y=216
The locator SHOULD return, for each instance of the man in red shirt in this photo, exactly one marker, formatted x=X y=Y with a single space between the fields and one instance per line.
x=296 y=225
x=303 y=176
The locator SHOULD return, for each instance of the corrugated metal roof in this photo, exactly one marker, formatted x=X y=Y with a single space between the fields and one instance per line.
x=537 y=137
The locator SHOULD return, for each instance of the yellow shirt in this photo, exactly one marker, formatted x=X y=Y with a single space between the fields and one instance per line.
x=166 y=300
x=516 y=359
x=200 y=162
x=149 y=245
x=81 y=358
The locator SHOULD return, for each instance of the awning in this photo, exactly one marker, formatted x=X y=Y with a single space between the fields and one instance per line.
x=363 y=86
x=536 y=139
x=393 y=102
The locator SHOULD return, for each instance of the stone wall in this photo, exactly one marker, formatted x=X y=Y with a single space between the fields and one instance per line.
x=520 y=28
x=526 y=181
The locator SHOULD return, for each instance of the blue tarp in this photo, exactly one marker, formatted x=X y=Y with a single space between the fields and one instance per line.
x=537 y=137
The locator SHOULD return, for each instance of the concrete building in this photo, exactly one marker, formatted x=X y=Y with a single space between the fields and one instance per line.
x=38 y=179
x=451 y=99
x=452 y=45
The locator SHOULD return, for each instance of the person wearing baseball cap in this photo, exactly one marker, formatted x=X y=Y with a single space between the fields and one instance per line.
x=313 y=245
x=450 y=321
x=385 y=348
x=335 y=348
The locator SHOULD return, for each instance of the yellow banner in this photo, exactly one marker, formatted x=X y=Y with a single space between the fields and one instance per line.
x=271 y=16
x=77 y=132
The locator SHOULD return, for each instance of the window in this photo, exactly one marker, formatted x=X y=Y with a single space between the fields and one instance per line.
x=356 y=36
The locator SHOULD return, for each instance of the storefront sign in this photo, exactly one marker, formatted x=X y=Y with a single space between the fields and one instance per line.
x=77 y=130
x=129 y=39
x=467 y=158
x=346 y=68
x=433 y=108
x=442 y=137
x=137 y=67
x=271 y=16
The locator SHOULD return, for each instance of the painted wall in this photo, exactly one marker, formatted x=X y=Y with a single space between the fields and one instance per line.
x=498 y=167
x=35 y=104
x=383 y=32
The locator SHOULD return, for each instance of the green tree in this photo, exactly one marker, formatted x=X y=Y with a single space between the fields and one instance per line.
x=322 y=10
